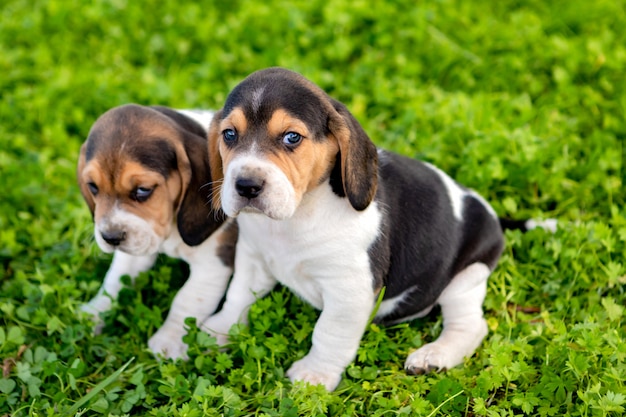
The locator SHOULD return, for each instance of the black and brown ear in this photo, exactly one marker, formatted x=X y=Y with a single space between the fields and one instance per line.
x=196 y=219
x=359 y=157
x=84 y=190
x=215 y=161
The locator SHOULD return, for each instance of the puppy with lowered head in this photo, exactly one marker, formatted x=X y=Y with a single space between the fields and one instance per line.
x=324 y=212
x=144 y=174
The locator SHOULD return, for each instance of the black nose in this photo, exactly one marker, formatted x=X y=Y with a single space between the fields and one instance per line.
x=249 y=188
x=113 y=238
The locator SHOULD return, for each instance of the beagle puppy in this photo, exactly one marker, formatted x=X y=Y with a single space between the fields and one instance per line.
x=324 y=212
x=144 y=174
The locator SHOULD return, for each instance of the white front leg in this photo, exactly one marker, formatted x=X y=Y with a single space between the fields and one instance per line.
x=337 y=334
x=198 y=298
x=122 y=264
x=250 y=282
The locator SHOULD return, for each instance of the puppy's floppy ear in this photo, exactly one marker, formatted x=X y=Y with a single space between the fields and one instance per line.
x=84 y=190
x=195 y=220
x=359 y=157
x=215 y=161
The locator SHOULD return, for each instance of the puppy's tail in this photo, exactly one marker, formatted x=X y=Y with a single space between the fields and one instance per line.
x=549 y=225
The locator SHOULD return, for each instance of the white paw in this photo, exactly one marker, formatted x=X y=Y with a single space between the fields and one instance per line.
x=432 y=357
x=311 y=371
x=168 y=342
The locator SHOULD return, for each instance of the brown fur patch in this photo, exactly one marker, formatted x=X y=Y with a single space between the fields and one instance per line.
x=158 y=210
x=218 y=154
x=235 y=120
x=227 y=241
x=309 y=162
x=215 y=161
x=218 y=151
x=82 y=161
x=307 y=165
x=282 y=122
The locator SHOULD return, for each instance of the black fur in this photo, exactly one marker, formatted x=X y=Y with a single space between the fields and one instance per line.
x=336 y=182
x=280 y=91
x=158 y=155
x=514 y=224
x=421 y=244
x=195 y=221
x=226 y=251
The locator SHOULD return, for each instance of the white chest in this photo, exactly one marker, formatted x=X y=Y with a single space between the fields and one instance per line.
x=324 y=245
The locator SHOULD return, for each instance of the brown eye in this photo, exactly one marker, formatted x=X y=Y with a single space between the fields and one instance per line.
x=93 y=188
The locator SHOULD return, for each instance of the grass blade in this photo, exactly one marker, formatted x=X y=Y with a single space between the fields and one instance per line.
x=379 y=300
x=444 y=403
x=99 y=387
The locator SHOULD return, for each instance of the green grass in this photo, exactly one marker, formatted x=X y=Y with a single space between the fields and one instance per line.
x=525 y=101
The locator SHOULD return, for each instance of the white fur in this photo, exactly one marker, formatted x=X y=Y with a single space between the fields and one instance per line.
x=257 y=96
x=141 y=239
x=484 y=202
x=391 y=304
x=203 y=117
x=278 y=199
x=549 y=224
x=321 y=254
x=463 y=324
x=455 y=193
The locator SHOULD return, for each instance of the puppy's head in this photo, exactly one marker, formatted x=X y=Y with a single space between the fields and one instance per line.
x=141 y=171
x=278 y=137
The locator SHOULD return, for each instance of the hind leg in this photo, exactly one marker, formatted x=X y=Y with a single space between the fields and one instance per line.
x=463 y=324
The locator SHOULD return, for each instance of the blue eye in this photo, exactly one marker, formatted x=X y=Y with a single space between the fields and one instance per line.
x=92 y=187
x=292 y=138
x=141 y=194
x=229 y=135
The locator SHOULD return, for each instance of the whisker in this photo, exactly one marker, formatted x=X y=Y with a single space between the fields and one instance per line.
x=214 y=193
x=221 y=180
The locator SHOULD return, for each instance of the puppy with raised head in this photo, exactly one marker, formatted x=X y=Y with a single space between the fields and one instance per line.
x=324 y=212
x=144 y=174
